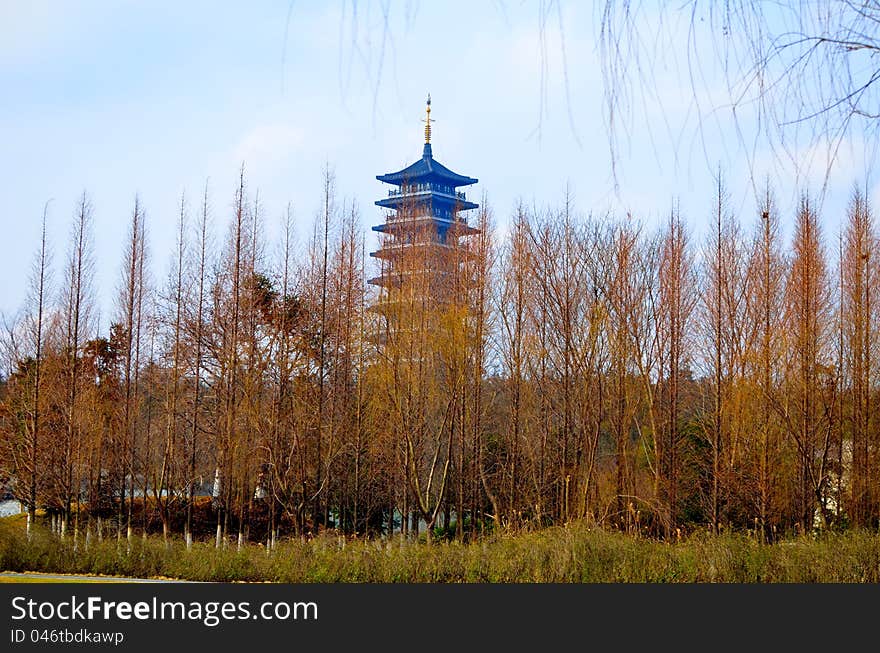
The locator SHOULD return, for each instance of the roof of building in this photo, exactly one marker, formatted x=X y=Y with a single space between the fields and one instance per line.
x=432 y=197
x=459 y=226
x=426 y=169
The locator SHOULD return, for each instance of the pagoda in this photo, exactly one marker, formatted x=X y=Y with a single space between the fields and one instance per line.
x=425 y=222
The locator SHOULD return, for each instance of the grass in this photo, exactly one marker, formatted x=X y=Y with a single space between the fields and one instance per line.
x=28 y=578
x=577 y=553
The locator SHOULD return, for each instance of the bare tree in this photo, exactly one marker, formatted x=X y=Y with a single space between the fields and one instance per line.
x=197 y=337
x=513 y=299
x=810 y=376
x=675 y=304
x=130 y=305
x=859 y=294
x=801 y=75
x=766 y=314
x=77 y=317
x=41 y=289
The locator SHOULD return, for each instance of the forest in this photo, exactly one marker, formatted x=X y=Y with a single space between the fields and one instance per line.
x=570 y=367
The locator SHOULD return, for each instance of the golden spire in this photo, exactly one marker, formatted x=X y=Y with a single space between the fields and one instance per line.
x=427 y=121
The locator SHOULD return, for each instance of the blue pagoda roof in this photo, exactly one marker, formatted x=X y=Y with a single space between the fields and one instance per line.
x=426 y=169
x=430 y=197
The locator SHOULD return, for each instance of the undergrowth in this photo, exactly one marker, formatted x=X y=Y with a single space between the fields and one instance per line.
x=577 y=553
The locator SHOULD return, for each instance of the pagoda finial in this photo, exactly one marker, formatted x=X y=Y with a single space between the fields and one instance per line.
x=428 y=121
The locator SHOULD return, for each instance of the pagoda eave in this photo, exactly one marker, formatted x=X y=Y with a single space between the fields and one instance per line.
x=459 y=227
x=401 y=178
x=426 y=169
x=400 y=202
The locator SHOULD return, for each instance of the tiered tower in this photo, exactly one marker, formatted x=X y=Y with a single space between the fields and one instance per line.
x=424 y=224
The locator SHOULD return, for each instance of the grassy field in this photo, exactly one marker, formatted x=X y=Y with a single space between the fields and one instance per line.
x=576 y=553
x=34 y=578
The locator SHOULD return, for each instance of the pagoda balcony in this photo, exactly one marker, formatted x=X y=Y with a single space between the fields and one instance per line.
x=419 y=189
x=428 y=215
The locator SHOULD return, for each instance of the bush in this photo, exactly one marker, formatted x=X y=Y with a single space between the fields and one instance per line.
x=576 y=553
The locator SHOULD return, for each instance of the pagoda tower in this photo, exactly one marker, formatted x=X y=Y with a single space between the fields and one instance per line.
x=421 y=238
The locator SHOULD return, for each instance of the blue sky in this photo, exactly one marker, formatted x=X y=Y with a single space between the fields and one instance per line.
x=154 y=98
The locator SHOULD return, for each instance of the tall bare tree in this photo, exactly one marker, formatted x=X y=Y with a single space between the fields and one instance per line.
x=77 y=307
x=859 y=295
x=766 y=313
x=676 y=302
x=811 y=380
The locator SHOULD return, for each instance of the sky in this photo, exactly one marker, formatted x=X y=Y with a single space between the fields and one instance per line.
x=159 y=98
